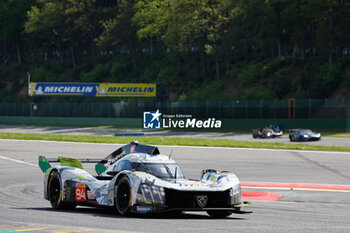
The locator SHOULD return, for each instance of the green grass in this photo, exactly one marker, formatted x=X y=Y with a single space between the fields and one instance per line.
x=324 y=132
x=170 y=141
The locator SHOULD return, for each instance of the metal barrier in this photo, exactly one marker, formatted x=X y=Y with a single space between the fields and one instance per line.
x=235 y=109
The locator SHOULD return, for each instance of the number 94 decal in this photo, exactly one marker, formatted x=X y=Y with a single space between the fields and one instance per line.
x=80 y=192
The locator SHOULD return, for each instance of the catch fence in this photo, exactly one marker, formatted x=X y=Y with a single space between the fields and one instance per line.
x=234 y=109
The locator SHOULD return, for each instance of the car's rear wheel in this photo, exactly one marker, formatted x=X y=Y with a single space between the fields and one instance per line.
x=123 y=196
x=294 y=138
x=55 y=193
x=219 y=213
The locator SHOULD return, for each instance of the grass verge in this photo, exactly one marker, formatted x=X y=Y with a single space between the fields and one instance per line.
x=170 y=141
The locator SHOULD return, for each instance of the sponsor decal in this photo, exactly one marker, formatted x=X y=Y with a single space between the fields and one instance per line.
x=62 y=89
x=132 y=149
x=90 y=195
x=80 y=192
x=157 y=120
x=127 y=90
x=93 y=89
x=144 y=209
x=202 y=200
x=191 y=184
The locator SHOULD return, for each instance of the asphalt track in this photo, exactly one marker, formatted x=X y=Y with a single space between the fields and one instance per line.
x=22 y=207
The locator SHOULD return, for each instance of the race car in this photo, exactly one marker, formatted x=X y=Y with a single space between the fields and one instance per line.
x=138 y=179
x=303 y=135
x=267 y=132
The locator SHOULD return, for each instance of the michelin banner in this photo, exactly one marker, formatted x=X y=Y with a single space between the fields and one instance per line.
x=93 y=89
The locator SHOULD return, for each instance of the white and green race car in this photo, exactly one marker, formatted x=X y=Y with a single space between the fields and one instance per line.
x=137 y=178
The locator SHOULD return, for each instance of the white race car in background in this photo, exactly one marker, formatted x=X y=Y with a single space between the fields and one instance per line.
x=137 y=178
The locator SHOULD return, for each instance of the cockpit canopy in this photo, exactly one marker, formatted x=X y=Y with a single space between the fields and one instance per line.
x=158 y=165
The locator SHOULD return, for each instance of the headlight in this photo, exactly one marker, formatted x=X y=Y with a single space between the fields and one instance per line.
x=150 y=194
x=236 y=195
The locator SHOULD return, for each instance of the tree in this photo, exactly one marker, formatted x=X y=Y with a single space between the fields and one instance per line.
x=331 y=18
x=12 y=18
x=68 y=23
x=176 y=23
x=181 y=24
x=300 y=25
x=120 y=30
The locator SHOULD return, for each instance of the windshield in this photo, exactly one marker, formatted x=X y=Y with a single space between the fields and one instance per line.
x=160 y=170
x=305 y=131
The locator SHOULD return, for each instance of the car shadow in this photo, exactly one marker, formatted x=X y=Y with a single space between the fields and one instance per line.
x=111 y=213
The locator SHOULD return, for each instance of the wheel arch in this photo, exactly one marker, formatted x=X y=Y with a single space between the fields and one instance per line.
x=54 y=173
x=131 y=194
x=112 y=187
x=47 y=181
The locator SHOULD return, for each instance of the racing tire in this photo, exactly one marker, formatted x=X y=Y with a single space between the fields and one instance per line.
x=55 y=193
x=123 y=196
x=219 y=213
x=254 y=135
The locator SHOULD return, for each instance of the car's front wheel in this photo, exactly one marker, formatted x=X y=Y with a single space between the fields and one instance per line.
x=123 y=196
x=218 y=213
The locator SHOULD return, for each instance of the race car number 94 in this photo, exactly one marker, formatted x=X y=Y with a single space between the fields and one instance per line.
x=80 y=194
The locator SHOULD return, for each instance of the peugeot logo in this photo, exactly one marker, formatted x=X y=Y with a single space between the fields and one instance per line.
x=202 y=200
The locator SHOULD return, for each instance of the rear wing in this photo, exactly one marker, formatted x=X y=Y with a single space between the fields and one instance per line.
x=44 y=163
x=101 y=165
x=277 y=128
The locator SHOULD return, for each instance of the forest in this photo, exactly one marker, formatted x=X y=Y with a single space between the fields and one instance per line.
x=197 y=49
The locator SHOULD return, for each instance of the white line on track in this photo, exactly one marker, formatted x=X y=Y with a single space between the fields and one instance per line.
x=299 y=189
x=18 y=161
x=193 y=147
